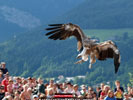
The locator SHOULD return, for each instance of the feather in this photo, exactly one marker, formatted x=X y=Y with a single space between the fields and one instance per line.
x=53 y=28
x=55 y=24
x=51 y=32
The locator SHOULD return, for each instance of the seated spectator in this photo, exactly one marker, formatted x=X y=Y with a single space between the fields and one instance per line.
x=16 y=96
x=130 y=93
x=25 y=95
x=60 y=88
x=95 y=96
x=3 y=68
x=10 y=87
x=126 y=96
x=35 y=97
x=69 y=88
x=30 y=84
x=110 y=96
x=2 y=92
x=9 y=97
x=42 y=97
x=118 y=90
x=51 y=85
x=98 y=91
x=50 y=93
x=89 y=96
x=76 y=91
x=83 y=91
x=104 y=92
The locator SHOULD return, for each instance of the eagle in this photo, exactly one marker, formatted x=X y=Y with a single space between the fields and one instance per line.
x=85 y=45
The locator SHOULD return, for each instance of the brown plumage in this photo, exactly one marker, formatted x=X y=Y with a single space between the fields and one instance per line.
x=89 y=47
x=64 y=31
x=101 y=51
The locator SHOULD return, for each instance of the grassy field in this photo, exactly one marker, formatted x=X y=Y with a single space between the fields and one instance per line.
x=104 y=34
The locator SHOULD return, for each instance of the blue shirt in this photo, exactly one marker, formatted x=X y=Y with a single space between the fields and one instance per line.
x=108 y=98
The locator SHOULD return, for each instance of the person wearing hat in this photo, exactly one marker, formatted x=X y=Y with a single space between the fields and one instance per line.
x=76 y=91
x=3 y=68
x=35 y=97
x=69 y=88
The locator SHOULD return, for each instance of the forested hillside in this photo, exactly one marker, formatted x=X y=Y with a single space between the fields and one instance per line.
x=101 y=14
x=19 y=16
x=32 y=54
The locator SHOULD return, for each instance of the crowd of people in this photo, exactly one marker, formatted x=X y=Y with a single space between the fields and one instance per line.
x=19 y=88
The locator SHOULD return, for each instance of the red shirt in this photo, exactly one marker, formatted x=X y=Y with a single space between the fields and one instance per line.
x=5 y=83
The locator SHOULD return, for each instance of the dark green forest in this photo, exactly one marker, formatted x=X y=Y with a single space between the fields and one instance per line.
x=32 y=54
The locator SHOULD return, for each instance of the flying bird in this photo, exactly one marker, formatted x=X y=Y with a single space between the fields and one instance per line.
x=101 y=51
x=87 y=46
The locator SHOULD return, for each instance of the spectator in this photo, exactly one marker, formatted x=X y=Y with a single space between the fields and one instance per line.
x=5 y=81
x=42 y=97
x=51 y=84
x=2 y=92
x=76 y=91
x=69 y=89
x=1 y=76
x=35 y=97
x=104 y=92
x=102 y=87
x=126 y=96
x=10 y=87
x=118 y=90
x=16 y=96
x=3 y=68
x=25 y=95
x=110 y=96
x=130 y=92
x=83 y=91
x=30 y=84
x=17 y=84
x=40 y=87
x=50 y=93
x=98 y=91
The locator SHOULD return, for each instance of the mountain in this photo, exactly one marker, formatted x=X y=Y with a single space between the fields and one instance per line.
x=20 y=16
x=32 y=54
x=101 y=14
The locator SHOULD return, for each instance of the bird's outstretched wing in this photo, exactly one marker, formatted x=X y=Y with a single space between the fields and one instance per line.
x=64 y=31
x=109 y=50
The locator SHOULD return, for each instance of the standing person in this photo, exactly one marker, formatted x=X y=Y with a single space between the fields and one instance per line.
x=110 y=96
x=5 y=81
x=118 y=90
x=1 y=76
x=3 y=68
x=41 y=87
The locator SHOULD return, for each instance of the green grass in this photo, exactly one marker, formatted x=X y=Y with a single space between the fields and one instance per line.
x=104 y=34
